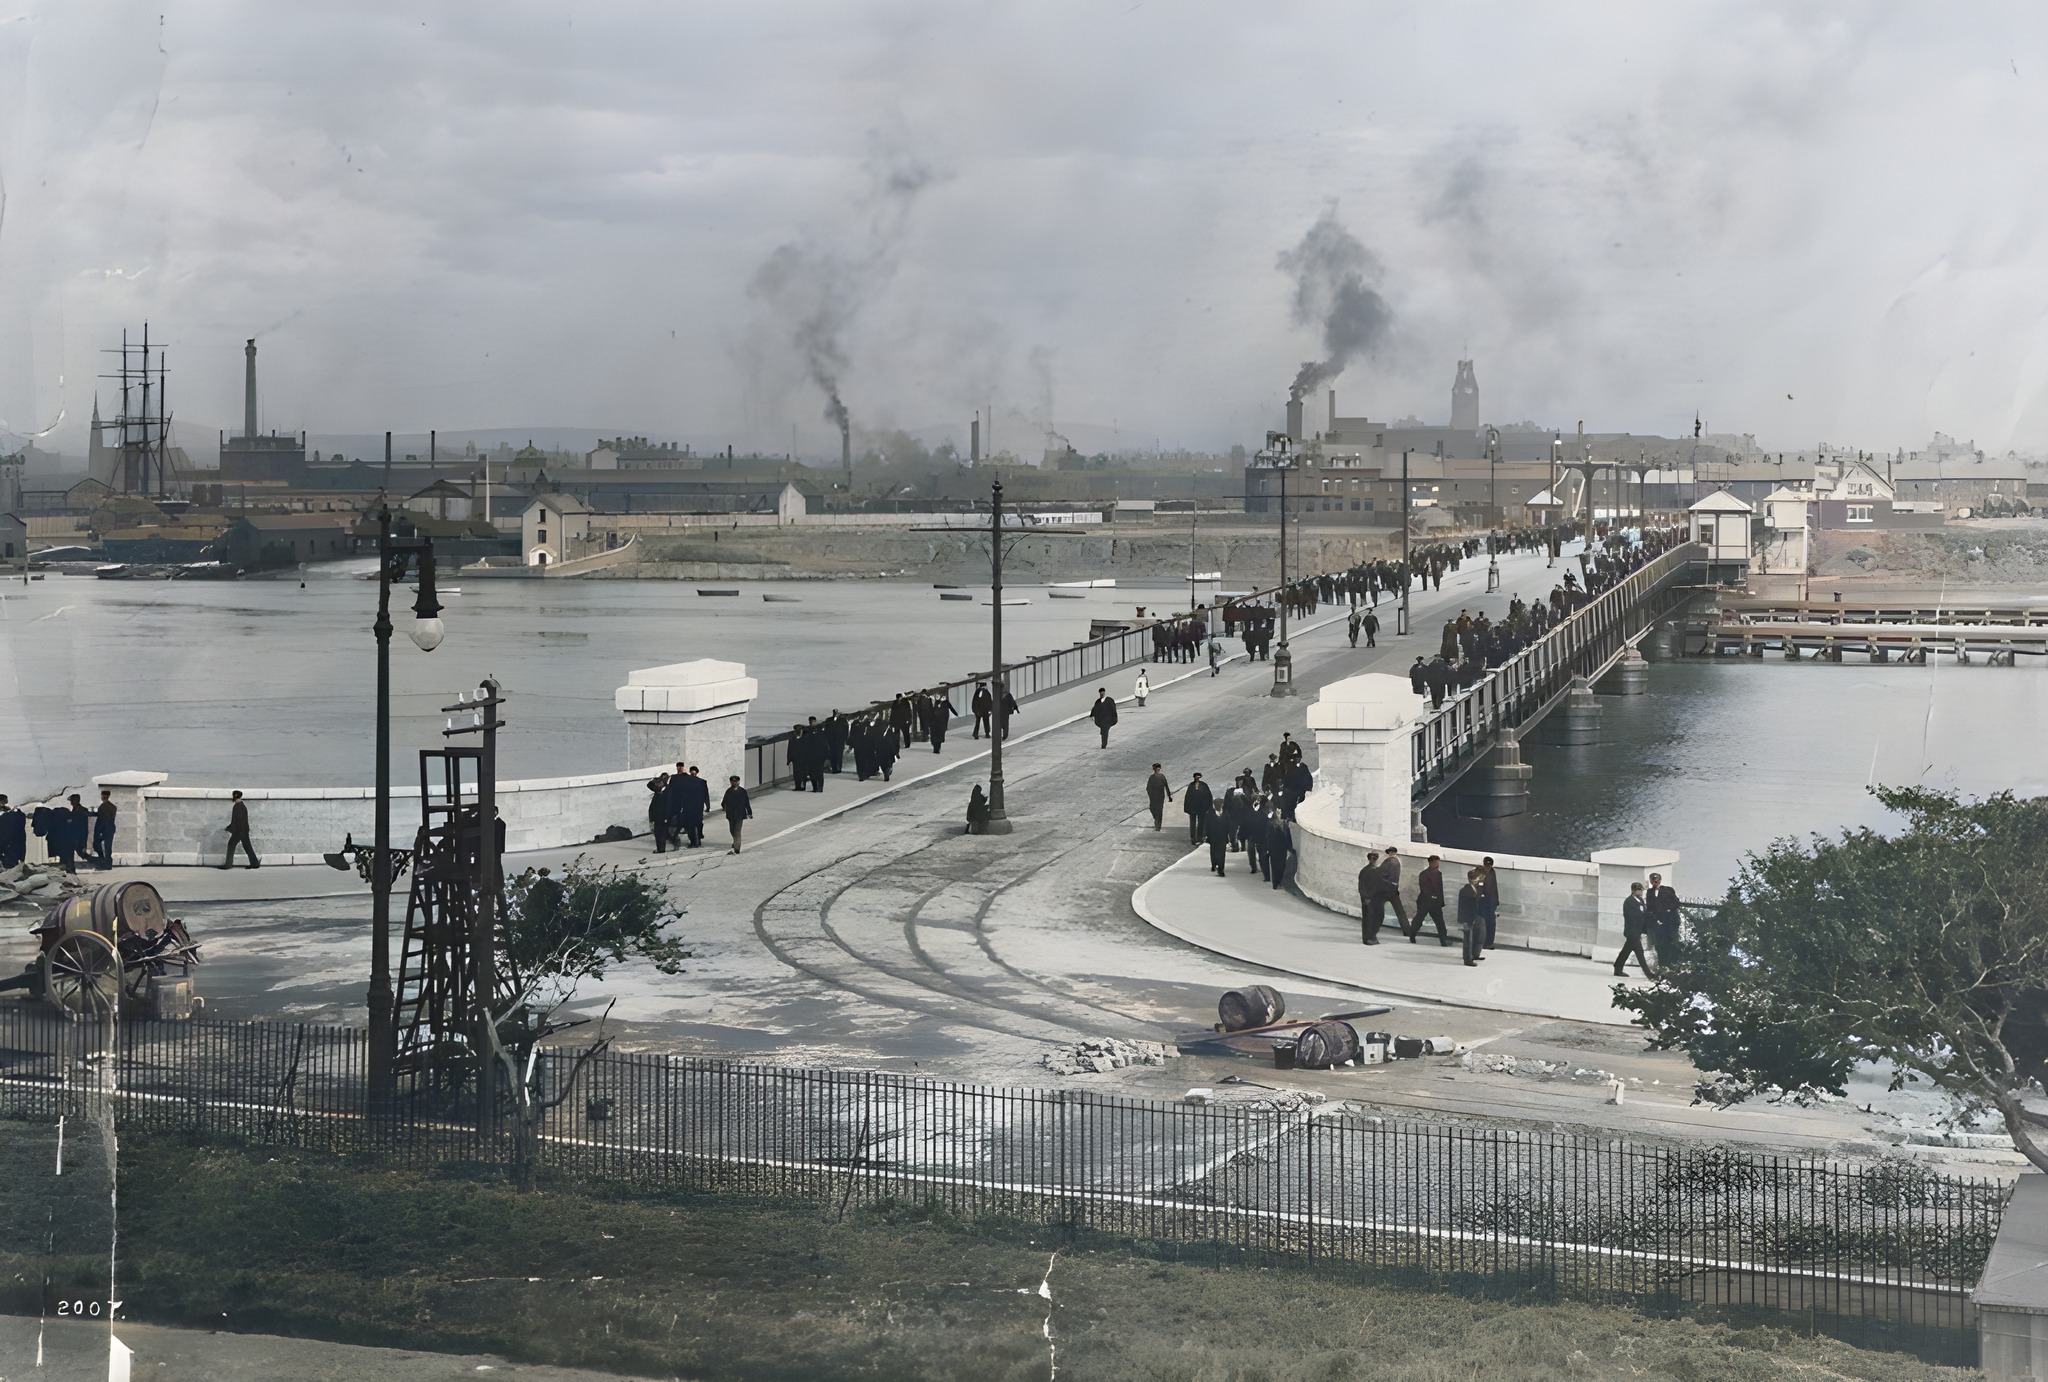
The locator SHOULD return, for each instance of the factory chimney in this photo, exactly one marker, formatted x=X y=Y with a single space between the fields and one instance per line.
x=846 y=448
x=1294 y=417
x=1333 y=412
x=249 y=390
x=974 y=441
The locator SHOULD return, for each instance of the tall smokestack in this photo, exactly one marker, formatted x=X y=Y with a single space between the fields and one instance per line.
x=846 y=448
x=1294 y=417
x=974 y=441
x=1333 y=410
x=249 y=390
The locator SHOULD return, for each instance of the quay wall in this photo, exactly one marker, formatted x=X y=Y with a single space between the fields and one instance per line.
x=164 y=824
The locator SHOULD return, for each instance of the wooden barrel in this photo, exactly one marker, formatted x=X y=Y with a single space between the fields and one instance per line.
x=120 y=909
x=1260 y=1005
x=69 y=914
x=1325 y=1044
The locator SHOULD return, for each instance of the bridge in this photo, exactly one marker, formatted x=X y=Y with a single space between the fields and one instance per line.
x=1556 y=673
x=1909 y=630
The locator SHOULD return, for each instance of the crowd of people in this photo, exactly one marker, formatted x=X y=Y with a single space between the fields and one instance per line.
x=1253 y=816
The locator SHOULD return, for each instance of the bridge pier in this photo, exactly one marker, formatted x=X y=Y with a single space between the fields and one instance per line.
x=1630 y=676
x=1576 y=721
x=1498 y=787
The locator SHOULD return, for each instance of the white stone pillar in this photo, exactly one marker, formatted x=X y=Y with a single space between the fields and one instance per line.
x=1365 y=731
x=689 y=712
x=131 y=811
x=1618 y=869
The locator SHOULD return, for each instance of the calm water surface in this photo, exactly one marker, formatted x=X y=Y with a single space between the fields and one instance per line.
x=1722 y=757
x=267 y=683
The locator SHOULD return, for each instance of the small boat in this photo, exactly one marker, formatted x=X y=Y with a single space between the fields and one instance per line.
x=954 y=595
x=1018 y=601
x=1106 y=583
x=206 y=571
x=1066 y=594
x=783 y=599
x=702 y=591
x=117 y=572
x=938 y=585
x=1205 y=576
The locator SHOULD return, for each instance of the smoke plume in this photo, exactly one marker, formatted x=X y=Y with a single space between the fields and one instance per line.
x=1333 y=276
x=816 y=291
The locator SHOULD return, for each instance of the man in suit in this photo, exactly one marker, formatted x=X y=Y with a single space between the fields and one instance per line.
x=835 y=741
x=1157 y=792
x=1635 y=920
x=1489 y=899
x=238 y=833
x=692 y=801
x=1470 y=919
x=738 y=808
x=1660 y=906
x=1297 y=784
x=1372 y=905
x=1429 y=901
x=1196 y=800
x=984 y=706
x=103 y=831
x=658 y=812
x=1390 y=878
x=1279 y=850
x=72 y=830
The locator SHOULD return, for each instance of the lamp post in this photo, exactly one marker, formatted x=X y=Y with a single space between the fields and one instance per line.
x=1407 y=575
x=1493 y=514
x=1279 y=451
x=998 y=819
x=393 y=555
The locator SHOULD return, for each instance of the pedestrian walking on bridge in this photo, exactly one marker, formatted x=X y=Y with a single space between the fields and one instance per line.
x=1103 y=712
x=1142 y=689
x=1157 y=793
x=1429 y=901
x=1197 y=800
x=738 y=808
x=1635 y=921
x=103 y=831
x=238 y=833
x=13 y=834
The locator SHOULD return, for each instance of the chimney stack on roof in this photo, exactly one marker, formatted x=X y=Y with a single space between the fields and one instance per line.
x=249 y=391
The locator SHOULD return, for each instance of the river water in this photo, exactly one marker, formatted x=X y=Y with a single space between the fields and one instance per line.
x=265 y=682
x=1722 y=757
x=271 y=684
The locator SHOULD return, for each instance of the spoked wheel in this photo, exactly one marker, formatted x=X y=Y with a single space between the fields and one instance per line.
x=82 y=974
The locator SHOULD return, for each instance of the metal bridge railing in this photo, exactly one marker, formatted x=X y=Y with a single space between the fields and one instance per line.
x=1520 y=688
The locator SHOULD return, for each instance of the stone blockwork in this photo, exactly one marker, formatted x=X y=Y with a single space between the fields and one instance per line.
x=1545 y=904
x=695 y=712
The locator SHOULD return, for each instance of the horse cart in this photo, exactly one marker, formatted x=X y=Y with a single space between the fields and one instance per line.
x=110 y=951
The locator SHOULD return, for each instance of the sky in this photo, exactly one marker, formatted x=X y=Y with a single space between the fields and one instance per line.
x=1807 y=222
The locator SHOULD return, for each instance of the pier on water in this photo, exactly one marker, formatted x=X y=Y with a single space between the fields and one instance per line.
x=1883 y=630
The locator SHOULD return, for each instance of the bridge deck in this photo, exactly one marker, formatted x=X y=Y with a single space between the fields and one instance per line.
x=1520 y=692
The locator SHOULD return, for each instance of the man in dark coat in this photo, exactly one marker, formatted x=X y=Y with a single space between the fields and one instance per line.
x=1661 y=911
x=1429 y=901
x=74 y=827
x=1279 y=850
x=835 y=742
x=13 y=835
x=1390 y=876
x=658 y=812
x=1371 y=624
x=1297 y=784
x=1219 y=841
x=1418 y=676
x=939 y=717
x=1197 y=800
x=1236 y=806
x=103 y=831
x=738 y=808
x=888 y=745
x=1372 y=903
x=984 y=707
x=691 y=803
x=238 y=833
x=1103 y=712
x=1489 y=898
x=1635 y=920
x=814 y=746
x=1270 y=777
x=1157 y=793
x=1469 y=919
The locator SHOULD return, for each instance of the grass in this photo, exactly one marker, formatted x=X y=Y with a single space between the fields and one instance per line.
x=719 y=1287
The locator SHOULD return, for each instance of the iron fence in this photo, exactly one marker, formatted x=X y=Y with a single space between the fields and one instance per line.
x=1595 y=1217
x=767 y=755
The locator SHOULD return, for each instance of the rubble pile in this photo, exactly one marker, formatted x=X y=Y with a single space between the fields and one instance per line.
x=39 y=884
x=1109 y=1053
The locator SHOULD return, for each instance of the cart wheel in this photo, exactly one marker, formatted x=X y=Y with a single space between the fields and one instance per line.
x=82 y=974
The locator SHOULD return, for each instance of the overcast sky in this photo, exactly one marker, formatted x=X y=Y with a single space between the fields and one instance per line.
x=1808 y=222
